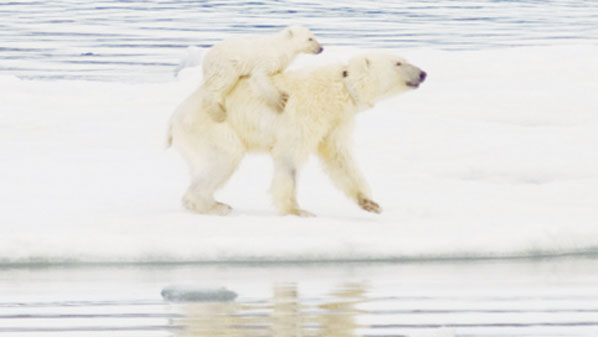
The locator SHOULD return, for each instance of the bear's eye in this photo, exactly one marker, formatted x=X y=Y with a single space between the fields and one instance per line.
x=310 y=39
x=399 y=64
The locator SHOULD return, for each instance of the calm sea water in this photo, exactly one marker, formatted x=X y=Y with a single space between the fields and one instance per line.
x=556 y=297
x=138 y=40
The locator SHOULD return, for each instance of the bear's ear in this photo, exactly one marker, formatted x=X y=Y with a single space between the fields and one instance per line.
x=364 y=64
x=360 y=65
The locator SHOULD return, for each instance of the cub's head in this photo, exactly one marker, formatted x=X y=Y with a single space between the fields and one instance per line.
x=302 y=39
x=377 y=76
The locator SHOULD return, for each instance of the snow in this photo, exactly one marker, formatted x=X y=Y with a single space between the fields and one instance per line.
x=494 y=156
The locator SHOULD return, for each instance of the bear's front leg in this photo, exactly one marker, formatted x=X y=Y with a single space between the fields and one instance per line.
x=339 y=164
x=263 y=87
x=368 y=205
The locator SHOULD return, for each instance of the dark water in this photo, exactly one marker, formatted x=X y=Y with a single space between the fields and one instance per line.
x=144 y=40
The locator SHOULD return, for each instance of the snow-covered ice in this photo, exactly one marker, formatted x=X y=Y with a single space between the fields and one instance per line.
x=494 y=156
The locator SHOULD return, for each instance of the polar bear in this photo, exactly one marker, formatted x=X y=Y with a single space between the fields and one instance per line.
x=257 y=57
x=317 y=119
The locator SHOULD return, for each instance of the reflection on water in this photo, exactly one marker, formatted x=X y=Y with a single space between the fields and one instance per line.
x=211 y=319
x=514 y=298
x=286 y=319
x=286 y=315
x=340 y=312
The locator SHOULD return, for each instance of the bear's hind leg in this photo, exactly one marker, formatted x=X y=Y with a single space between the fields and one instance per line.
x=211 y=168
x=195 y=200
x=214 y=107
x=217 y=85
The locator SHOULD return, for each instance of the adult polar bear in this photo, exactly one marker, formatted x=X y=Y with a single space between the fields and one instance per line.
x=317 y=118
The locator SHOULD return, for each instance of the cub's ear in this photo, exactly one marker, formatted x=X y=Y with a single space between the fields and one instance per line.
x=289 y=32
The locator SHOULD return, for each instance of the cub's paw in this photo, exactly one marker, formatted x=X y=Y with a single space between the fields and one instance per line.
x=369 y=205
x=280 y=102
x=284 y=98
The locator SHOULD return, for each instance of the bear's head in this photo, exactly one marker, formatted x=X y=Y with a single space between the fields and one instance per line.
x=302 y=39
x=376 y=76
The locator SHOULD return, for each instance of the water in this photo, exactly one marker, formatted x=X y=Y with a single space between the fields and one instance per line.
x=556 y=297
x=136 y=41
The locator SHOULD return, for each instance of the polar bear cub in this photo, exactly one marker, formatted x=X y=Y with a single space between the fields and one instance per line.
x=318 y=118
x=257 y=57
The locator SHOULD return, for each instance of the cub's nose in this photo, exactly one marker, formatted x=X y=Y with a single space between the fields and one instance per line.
x=320 y=50
x=422 y=76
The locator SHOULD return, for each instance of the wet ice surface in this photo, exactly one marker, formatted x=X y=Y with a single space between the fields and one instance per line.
x=555 y=297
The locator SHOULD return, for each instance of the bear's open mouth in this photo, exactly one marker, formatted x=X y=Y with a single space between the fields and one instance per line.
x=413 y=84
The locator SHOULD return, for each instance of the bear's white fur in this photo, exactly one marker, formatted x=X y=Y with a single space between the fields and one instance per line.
x=317 y=119
x=256 y=56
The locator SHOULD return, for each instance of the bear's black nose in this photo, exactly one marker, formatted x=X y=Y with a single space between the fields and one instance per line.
x=422 y=76
x=320 y=50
